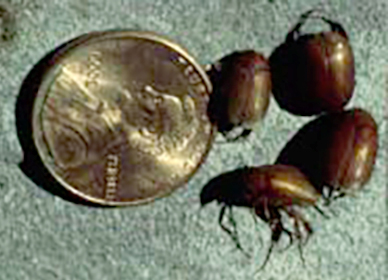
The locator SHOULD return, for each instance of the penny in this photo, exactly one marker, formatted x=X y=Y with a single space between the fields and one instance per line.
x=120 y=118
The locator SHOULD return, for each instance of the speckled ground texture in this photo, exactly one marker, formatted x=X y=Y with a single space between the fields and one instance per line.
x=45 y=237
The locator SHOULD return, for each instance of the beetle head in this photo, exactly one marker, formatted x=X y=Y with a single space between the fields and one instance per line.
x=210 y=191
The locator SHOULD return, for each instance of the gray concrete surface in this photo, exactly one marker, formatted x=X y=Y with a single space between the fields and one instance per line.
x=45 y=237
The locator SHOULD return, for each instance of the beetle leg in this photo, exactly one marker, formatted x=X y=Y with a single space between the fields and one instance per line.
x=232 y=221
x=290 y=236
x=268 y=215
x=277 y=229
x=328 y=198
x=243 y=135
x=329 y=195
x=225 y=129
x=335 y=193
x=326 y=203
x=256 y=223
x=320 y=211
x=233 y=235
x=309 y=230
x=335 y=26
x=275 y=214
x=300 y=249
x=261 y=209
x=220 y=218
x=227 y=230
x=299 y=237
x=337 y=196
x=295 y=32
x=298 y=218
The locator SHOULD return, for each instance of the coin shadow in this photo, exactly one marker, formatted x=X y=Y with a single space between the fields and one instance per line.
x=32 y=165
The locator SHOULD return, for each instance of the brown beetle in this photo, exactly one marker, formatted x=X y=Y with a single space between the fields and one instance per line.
x=313 y=73
x=241 y=92
x=269 y=190
x=336 y=151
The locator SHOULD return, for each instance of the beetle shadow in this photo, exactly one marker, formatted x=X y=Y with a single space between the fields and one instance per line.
x=32 y=165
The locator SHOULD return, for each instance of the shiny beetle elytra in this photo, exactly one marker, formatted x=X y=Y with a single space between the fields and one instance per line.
x=336 y=151
x=241 y=92
x=313 y=73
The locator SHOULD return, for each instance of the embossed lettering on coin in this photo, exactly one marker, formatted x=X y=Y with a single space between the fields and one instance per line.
x=121 y=118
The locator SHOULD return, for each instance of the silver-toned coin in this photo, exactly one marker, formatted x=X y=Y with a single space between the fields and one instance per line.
x=121 y=118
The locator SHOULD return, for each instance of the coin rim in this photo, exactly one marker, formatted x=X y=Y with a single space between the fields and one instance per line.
x=50 y=74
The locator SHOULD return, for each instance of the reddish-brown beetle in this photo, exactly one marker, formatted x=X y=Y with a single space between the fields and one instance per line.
x=241 y=92
x=313 y=73
x=336 y=151
x=269 y=189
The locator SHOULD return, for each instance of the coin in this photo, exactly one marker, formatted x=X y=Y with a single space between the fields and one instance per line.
x=120 y=118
